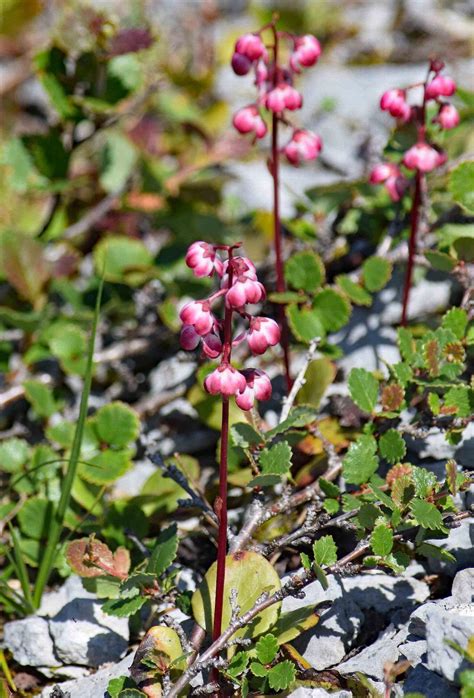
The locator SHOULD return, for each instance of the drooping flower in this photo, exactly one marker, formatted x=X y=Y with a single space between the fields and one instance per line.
x=303 y=146
x=250 y=45
x=448 y=116
x=283 y=96
x=257 y=386
x=248 y=120
x=199 y=315
x=389 y=174
x=306 y=53
x=263 y=333
x=225 y=380
x=243 y=291
x=201 y=257
x=422 y=157
x=440 y=86
x=394 y=101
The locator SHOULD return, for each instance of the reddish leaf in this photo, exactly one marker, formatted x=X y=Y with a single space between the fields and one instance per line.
x=130 y=41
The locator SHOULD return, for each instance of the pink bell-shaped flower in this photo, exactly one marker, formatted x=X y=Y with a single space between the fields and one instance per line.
x=306 y=53
x=198 y=314
x=263 y=333
x=201 y=257
x=225 y=380
x=422 y=157
x=303 y=146
x=248 y=120
x=257 y=386
x=448 y=116
x=440 y=86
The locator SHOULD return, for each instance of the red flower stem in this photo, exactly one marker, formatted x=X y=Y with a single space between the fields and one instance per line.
x=415 y=214
x=275 y=172
x=220 y=505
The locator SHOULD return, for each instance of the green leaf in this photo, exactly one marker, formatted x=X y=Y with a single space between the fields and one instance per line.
x=299 y=417
x=293 y=623
x=48 y=153
x=356 y=293
x=462 y=399
x=23 y=263
x=364 y=389
x=425 y=482
x=392 y=446
x=276 y=460
x=376 y=273
x=124 y=259
x=282 y=675
x=165 y=550
x=14 y=453
x=250 y=574
x=35 y=517
x=329 y=488
x=381 y=540
x=264 y=481
x=115 y=686
x=305 y=323
x=333 y=309
x=305 y=271
x=122 y=608
x=119 y=159
x=368 y=515
x=117 y=424
x=426 y=514
x=105 y=467
x=319 y=376
x=69 y=344
x=238 y=664
x=440 y=260
x=41 y=398
x=406 y=344
x=257 y=669
x=267 y=649
x=360 y=462
x=245 y=436
x=429 y=550
x=325 y=551
x=461 y=185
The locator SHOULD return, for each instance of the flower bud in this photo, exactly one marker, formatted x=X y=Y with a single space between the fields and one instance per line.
x=306 y=53
x=257 y=386
x=202 y=259
x=251 y=46
x=440 y=86
x=282 y=97
x=189 y=338
x=394 y=102
x=448 y=116
x=248 y=120
x=382 y=172
x=263 y=333
x=198 y=314
x=244 y=290
x=212 y=345
x=423 y=157
x=240 y=64
x=303 y=146
x=225 y=380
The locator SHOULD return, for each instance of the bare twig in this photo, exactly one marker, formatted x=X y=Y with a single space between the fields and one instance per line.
x=299 y=381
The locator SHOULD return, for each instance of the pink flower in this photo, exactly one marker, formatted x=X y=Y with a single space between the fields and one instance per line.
x=383 y=171
x=251 y=46
x=244 y=290
x=198 y=314
x=282 y=97
x=240 y=64
x=396 y=187
x=422 y=157
x=202 y=259
x=248 y=120
x=306 y=53
x=225 y=380
x=440 y=86
x=304 y=145
x=394 y=102
x=448 y=116
x=212 y=345
x=257 y=386
x=189 y=338
x=263 y=333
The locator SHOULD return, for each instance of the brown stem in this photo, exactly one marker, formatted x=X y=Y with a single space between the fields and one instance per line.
x=275 y=172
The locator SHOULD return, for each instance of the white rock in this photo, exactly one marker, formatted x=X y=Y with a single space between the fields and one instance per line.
x=84 y=634
x=172 y=372
x=385 y=593
x=459 y=543
x=29 y=642
x=371 y=660
x=455 y=625
x=462 y=590
x=318 y=693
x=53 y=601
x=94 y=686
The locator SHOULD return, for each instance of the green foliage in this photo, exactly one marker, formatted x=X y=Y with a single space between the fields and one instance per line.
x=319 y=376
x=123 y=260
x=267 y=648
x=41 y=398
x=281 y=676
x=426 y=514
x=304 y=271
x=461 y=185
x=332 y=308
x=361 y=460
x=392 y=446
x=376 y=273
x=325 y=551
x=364 y=388
x=381 y=540
x=164 y=551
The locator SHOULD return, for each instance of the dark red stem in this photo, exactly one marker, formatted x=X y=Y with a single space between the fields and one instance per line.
x=220 y=505
x=275 y=172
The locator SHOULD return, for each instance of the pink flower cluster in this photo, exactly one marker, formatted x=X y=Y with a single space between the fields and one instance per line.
x=422 y=156
x=239 y=287
x=276 y=93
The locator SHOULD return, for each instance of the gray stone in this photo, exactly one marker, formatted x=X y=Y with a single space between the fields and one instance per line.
x=428 y=296
x=384 y=593
x=371 y=660
x=462 y=590
x=29 y=642
x=413 y=650
x=455 y=625
x=335 y=633
x=53 y=601
x=460 y=544
x=84 y=634
x=172 y=372
x=420 y=617
x=94 y=686
x=427 y=683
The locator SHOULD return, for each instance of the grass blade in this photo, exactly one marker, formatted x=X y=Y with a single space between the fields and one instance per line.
x=20 y=569
x=47 y=561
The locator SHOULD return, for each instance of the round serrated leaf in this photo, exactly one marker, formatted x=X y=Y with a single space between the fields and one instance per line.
x=332 y=308
x=304 y=271
x=35 y=517
x=305 y=323
x=360 y=462
x=376 y=273
x=69 y=344
x=356 y=293
x=13 y=454
x=105 y=467
x=381 y=540
x=461 y=185
x=392 y=446
x=122 y=260
x=364 y=389
x=250 y=574
x=116 y=424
